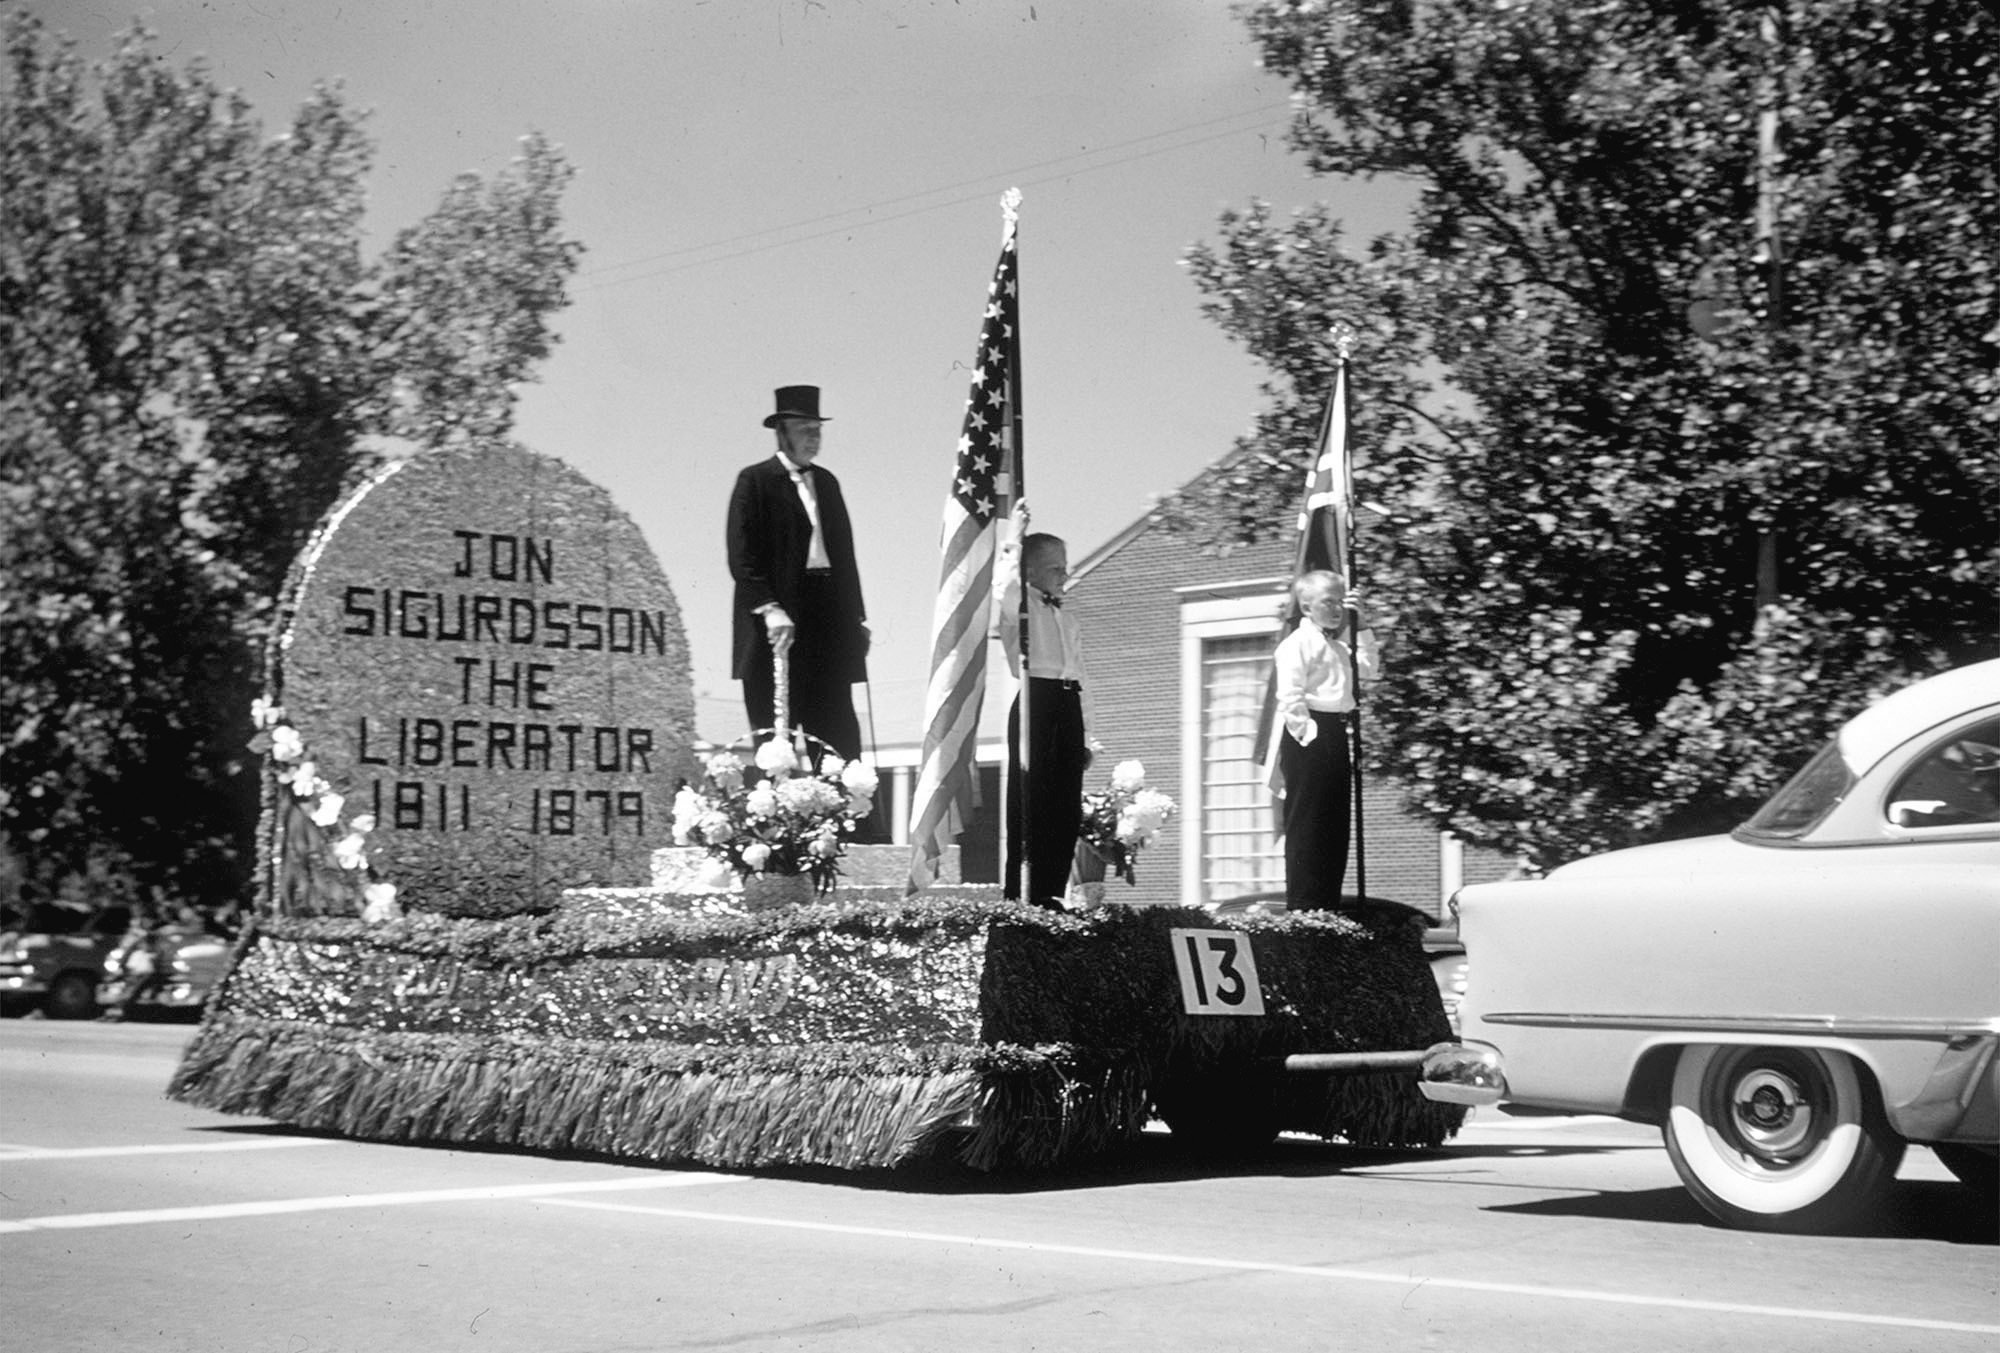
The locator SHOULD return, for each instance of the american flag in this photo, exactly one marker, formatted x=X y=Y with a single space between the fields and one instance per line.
x=959 y=622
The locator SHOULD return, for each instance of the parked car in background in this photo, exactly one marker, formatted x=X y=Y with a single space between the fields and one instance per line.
x=1446 y=952
x=53 y=960
x=1793 y=1003
x=167 y=969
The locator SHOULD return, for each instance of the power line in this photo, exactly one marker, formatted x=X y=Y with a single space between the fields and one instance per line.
x=898 y=216
x=1259 y=114
x=984 y=183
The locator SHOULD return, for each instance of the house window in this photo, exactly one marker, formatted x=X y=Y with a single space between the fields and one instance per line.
x=1239 y=851
x=1228 y=842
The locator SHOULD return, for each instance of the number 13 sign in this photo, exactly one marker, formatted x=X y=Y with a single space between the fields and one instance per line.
x=1218 y=975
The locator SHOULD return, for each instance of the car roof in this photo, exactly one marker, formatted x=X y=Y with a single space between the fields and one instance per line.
x=1888 y=723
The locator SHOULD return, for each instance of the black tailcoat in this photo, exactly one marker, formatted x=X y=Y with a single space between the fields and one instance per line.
x=769 y=535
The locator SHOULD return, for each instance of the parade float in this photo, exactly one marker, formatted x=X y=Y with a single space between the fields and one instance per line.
x=474 y=925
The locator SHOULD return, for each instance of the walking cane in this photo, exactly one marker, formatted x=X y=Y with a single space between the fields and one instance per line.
x=874 y=747
x=882 y=816
x=781 y=692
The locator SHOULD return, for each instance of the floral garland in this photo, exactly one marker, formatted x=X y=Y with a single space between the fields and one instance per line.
x=1124 y=819
x=309 y=816
x=794 y=820
x=525 y=940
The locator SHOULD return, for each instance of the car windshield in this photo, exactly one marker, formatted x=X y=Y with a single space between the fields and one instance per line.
x=1806 y=798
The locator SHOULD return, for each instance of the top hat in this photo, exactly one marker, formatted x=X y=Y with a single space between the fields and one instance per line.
x=797 y=401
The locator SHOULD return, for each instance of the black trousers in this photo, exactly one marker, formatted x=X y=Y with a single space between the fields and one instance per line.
x=821 y=703
x=1319 y=806
x=1057 y=757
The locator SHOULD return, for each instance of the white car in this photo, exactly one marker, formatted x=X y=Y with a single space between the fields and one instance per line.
x=1792 y=1003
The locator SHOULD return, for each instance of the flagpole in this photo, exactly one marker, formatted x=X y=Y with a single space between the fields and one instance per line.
x=1010 y=206
x=1343 y=335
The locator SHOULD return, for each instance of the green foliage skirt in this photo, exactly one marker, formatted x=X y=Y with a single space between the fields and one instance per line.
x=869 y=1032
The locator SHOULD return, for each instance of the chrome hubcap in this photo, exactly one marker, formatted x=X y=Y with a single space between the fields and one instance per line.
x=1773 y=1115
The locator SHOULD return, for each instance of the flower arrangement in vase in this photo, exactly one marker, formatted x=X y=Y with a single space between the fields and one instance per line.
x=793 y=820
x=1123 y=819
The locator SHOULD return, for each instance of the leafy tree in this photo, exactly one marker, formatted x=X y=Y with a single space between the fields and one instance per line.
x=1586 y=390
x=193 y=358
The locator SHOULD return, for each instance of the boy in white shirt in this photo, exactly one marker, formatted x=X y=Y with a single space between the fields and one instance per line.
x=1315 y=701
x=1058 y=714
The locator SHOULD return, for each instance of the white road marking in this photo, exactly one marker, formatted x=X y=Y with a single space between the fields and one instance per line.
x=1358 y=1275
x=1542 y=1123
x=10 y=1154
x=1479 y=1123
x=283 y=1206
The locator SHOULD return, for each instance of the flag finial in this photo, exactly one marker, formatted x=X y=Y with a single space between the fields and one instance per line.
x=1343 y=335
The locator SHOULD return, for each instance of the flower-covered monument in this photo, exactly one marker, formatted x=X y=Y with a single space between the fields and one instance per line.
x=477 y=740
x=478 y=695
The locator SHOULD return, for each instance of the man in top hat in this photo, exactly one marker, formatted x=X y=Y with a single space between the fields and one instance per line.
x=791 y=552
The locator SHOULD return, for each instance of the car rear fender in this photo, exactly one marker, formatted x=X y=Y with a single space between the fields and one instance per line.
x=1929 y=1090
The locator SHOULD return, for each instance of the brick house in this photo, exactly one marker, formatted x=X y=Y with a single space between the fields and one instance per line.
x=1179 y=650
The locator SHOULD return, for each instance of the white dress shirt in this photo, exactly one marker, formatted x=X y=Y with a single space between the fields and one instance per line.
x=802 y=480
x=1313 y=673
x=1055 y=639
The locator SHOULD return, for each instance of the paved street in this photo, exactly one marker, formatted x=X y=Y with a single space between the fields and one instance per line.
x=128 y=1222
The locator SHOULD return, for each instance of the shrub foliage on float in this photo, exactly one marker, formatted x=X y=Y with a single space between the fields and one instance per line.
x=867 y=1033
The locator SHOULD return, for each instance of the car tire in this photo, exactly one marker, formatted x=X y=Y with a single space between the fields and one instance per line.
x=1778 y=1139
x=71 y=996
x=1977 y=1167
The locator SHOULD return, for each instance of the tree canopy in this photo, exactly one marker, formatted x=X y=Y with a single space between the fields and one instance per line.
x=1590 y=384
x=195 y=359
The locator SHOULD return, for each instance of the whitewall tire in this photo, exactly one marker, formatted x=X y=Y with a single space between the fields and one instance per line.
x=1778 y=1139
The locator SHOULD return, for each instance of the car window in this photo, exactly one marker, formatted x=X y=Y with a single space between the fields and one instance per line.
x=46 y=918
x=1806 y=798
x=1954 y=784
x=112 y=922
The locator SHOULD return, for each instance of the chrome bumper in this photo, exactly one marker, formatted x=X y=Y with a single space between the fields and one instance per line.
x=1462 y=1073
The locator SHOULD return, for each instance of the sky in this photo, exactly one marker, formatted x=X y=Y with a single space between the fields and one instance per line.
x=778 y=192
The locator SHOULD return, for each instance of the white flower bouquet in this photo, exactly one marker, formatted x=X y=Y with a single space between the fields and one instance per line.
x=792 y=820
x=1122 y=820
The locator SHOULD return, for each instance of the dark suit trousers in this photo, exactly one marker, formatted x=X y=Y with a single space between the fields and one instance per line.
x=1319 y=805
x=821 y=704
x=1056 y=755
